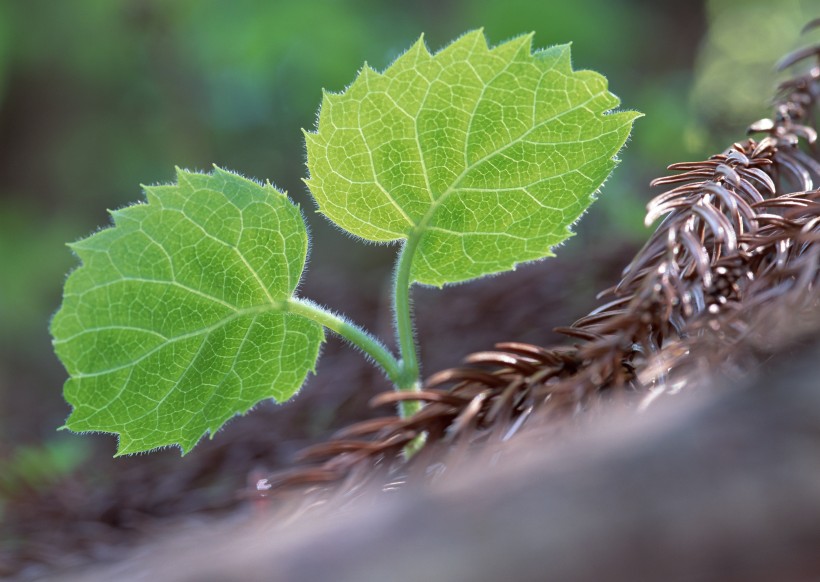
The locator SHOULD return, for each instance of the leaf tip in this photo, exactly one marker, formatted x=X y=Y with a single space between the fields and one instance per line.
x=123 y=447
x=525 y=39
x=366 y=73
x=420 y=43
x=180 y=173
x=329 y=99
x=558 y=56
x=188 y=446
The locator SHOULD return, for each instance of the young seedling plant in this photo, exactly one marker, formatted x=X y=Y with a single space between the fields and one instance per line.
x=184 y=313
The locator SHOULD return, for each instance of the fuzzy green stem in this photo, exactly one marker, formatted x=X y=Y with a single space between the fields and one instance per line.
x=409 y=379
x=352 y=333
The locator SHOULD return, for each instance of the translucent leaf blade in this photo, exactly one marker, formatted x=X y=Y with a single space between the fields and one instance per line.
x=177 y=318
x=483 y=156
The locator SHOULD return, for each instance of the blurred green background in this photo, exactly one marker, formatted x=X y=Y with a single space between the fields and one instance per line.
x=99 y=96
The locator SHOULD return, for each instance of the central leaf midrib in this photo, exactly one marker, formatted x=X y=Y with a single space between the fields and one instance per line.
x=254 y=311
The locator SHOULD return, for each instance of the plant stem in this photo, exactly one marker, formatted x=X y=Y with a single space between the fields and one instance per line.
x=352 y=333
x=409 y=379
x=404 y=373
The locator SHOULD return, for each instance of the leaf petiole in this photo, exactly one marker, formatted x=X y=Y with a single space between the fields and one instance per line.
x=409 y=380
x=351 y=332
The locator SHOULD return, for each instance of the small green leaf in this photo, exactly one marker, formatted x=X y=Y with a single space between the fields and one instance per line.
x=481 y=158
x=177 y=319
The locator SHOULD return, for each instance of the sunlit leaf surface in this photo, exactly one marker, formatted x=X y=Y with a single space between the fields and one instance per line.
x=480 y=157
x=176 y=320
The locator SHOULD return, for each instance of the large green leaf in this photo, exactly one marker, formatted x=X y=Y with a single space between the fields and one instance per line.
x=481 y=158
x=177 y=319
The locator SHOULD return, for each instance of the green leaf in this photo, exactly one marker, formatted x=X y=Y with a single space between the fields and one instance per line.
x=480 y=158
x=178 y=317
